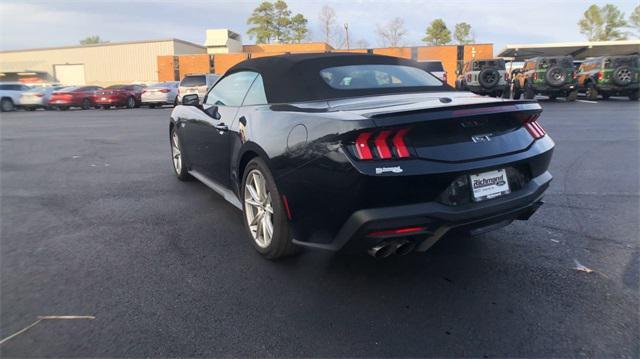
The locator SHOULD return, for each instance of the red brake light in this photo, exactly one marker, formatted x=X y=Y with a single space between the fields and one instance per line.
x=600 y=75
x=39 y=95
x=535 y=76
x=362 y=146
x=391 y=232
x=534 y=128
x=382 y=147
x=164 y=90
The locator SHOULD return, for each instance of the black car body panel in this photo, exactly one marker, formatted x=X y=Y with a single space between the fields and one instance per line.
x=335 y=198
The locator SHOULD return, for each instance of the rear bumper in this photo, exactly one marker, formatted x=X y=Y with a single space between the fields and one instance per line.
x=614 y=89
x=110 y=100
x=545 y=89
x=436 y=218
x=483 y=90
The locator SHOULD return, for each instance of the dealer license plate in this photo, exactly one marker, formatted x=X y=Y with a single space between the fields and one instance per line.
x=103 y=99
x=489 y=185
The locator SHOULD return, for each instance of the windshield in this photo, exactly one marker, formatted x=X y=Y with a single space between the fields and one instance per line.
x=115 y=87
x=614 y=62
x=68 y=89
x=480 y=65
x=546 y=63
x=377 y=76
x=193 y=81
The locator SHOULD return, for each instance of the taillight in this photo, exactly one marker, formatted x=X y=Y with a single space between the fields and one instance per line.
x=600 y=75
x=398 y=231
x=144 y=91
x=382 y=145
x=574 y=75
x=39 y=95
x=444 y=77
x=164 y=90
x=535 y=76
x=532 y=125
x=506 y=76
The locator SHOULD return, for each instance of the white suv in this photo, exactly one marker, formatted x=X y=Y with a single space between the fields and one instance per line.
x=10 y=95
x=484 y=77
x=198 y=84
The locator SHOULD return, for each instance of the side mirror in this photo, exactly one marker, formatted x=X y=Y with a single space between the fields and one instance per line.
x=212 y=112
x=191 y=100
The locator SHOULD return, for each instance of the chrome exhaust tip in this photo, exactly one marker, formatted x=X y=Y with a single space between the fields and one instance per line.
x=405 y=246
x=382 y=250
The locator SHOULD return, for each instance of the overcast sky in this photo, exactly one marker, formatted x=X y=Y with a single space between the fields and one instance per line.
x=32 y=24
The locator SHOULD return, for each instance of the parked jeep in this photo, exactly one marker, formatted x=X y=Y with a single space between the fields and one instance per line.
x=550 y=76
x=484 y=77
x=610 y=76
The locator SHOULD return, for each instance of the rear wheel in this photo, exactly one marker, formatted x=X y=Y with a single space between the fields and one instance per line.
x=63 y=108
x=605 y=96
x=7 y=105
x=265 y=218
x=592 y=92
x=152 y=106
x=131 y=102
x=86 y=104
x=634 y=95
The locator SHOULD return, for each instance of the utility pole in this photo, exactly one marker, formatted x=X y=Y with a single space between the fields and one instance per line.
x=346 y=30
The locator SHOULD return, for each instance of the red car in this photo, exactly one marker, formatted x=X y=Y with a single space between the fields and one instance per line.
x=119 y=95
x=73 y=96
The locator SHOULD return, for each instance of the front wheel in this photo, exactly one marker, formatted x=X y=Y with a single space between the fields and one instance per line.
x=86 y=104
x=6 y=105
x=177 y=157
x=265 y=218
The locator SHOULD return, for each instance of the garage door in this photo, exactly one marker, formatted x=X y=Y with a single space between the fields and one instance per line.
x=70 y=74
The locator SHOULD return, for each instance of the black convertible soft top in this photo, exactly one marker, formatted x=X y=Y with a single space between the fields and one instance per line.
x=296 y=77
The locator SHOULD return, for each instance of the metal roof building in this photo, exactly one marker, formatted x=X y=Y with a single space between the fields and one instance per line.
x=99 y=64
x=579 y=50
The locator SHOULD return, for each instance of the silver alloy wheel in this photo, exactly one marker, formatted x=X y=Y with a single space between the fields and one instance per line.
x=258 y=208
x=175 y=152
x=131 y=102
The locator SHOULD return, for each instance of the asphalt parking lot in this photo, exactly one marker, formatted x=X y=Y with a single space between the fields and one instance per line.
x=95 y=223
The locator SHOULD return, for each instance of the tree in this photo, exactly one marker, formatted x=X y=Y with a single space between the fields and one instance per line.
x=437 y=33
x=298 y=28
x=262 y=20
x=273 y=22
x=90 y=40
x=328 y=25
x=603 y=23
x=462 y=33
x=392 y=33
x=634 y=20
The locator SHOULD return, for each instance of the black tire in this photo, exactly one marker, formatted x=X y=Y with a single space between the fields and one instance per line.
x=529 y=92
x=507 y=92
x=592 y=92
x=152 y=106
x=182 y=171
x=30 y=108
x=555 y=76
x=175 y=102
x=106 y=107
x=63 y=108
x=605 y=96
x=489 y=78
x=7 y=105
x=634 y=95
x=623 y=75
x=131 y=102
x=572 y=96
x=86 y=104
x=281 y=244
x=515 y=91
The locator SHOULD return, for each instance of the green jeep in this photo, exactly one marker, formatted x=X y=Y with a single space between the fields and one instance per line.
x=610 y=76
x=552 y=76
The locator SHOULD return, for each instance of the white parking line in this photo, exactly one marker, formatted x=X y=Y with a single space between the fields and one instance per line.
x=587 y=101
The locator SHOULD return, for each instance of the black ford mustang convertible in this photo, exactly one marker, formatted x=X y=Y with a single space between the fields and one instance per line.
x=359 y=152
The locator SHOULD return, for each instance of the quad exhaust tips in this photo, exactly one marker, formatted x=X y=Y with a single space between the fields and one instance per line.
x=400 y=247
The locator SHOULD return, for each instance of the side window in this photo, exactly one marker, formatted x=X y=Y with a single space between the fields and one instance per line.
x=230 y=91
x=256 y=94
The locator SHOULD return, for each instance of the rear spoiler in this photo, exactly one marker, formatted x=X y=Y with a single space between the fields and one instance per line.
x=440 y=113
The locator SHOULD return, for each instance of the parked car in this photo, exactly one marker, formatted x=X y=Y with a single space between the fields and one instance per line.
x=197 y=84
x=37 y=97
x=128 y=96
x=73 y=96
x=10 y=95
x=163 y=93
x=610 y=76
x=359 y=152
x=551 y=76
x=484 y=77
x=435 y=68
